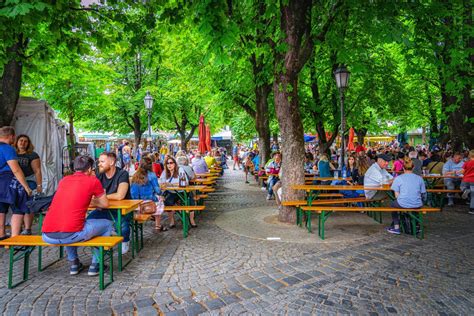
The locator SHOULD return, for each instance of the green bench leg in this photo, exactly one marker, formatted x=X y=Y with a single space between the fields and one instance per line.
x=102 y=254
x=17 y=254
x=308 y=221
x=322 y=220
x=40 y=258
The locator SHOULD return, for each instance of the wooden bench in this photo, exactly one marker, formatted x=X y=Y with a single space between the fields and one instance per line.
x=208 y=190
x=183 y=212
x=20 y=247
x=416 y=215
x=300 y=203
x=436 y=196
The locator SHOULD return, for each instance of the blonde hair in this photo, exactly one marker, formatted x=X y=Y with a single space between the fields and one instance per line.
x=471 y=153
x=408 y=164
x=324 y=157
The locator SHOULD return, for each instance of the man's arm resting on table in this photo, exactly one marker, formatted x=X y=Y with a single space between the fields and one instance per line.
x=121 y=192
x=101 y=201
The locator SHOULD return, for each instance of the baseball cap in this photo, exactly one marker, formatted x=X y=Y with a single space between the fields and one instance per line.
x=385 y=157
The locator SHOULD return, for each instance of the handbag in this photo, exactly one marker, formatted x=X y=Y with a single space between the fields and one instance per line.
x=147 y=207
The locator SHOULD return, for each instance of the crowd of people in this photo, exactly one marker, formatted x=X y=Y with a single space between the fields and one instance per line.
x=93 y=183
x=401 y=166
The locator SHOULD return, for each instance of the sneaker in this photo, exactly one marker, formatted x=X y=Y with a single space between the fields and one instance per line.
x=471 y=211
x=450 y=203
x=392 y=230
x=125 y=247
x=465 y=194
x=76 y=267
x=26 y=232
x=94 y=269
x=247 y=182
x=269 y=197
x=263 y=188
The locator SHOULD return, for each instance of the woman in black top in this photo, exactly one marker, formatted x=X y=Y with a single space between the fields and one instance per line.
x=30 y=164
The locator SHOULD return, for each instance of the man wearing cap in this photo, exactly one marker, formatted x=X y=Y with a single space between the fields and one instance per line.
x=377 y=175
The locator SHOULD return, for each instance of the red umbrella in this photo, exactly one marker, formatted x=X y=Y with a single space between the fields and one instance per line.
x=350 y=145
x=202 y=136
x=208 y=138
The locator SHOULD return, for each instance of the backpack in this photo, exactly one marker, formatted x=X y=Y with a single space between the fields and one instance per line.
x=405 y=224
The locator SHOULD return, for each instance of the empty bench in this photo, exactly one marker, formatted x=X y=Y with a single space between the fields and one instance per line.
x=21 y=247
x=324 y=211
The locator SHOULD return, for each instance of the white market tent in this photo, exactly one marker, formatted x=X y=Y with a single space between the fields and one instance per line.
x=37 y=119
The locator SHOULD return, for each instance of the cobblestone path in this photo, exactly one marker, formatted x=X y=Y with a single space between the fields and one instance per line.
x=215 y=271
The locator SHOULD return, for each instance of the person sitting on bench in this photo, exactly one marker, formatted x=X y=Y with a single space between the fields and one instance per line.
x=65 y=221
x=376 y=176
x=408 y=189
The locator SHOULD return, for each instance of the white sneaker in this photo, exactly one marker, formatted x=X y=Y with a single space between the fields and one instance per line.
x=125 y=247
x=465 y=194
x=263 y=189
x=450 y=203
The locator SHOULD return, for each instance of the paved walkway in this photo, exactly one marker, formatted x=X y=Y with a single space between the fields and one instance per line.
x=227 y=266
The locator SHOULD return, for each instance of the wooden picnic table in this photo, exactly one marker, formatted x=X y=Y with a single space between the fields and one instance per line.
x=432 y=180
x=123 y=208
x=328 y=179
x=185 y=197
x=202 y=181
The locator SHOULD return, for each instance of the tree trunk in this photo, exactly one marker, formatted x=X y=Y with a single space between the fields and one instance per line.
x=292 y=141
x=361 y=133
x=137 y=132
x=10 y=84
x=262 y=122
x=72 y=138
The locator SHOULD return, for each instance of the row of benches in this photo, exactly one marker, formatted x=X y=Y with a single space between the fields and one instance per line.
x=21 y=247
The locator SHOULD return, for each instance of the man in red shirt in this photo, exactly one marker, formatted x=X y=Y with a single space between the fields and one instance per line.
x=467 y=184
x=66 y=222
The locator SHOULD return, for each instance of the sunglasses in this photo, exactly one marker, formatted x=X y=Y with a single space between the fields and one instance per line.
x=170 y=163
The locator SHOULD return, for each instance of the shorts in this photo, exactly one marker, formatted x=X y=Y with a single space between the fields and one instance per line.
x=236 y=158
x=4 y=209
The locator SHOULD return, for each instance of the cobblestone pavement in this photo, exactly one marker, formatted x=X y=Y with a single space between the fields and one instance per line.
x=216 y=271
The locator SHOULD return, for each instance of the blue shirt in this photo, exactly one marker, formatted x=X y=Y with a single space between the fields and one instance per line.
x=7 y=153
x=256 y=162
x=323 y=167
x=147 y=191
x=450 y=165
x=410 y=188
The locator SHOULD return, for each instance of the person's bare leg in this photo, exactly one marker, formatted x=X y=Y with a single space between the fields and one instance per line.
x=29 y=220
x=157 y=221
x=2 y=224
x=191 y=218
x=17 y=221
x=171 y=216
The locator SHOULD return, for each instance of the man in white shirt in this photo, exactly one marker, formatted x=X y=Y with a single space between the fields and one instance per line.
x=376 y=176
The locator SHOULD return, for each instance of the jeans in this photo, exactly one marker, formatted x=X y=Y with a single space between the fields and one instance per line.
x=92 y=228
x=470 y=186
x=98 y=214
x=271 y=182
x=451 y=185
x=395 y=215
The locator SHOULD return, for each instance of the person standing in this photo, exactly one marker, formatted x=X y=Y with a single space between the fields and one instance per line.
x=235 y=156
x=66 y=222
x=14 y=189
x=467 y=184
x=30 y=164
x=273 y=169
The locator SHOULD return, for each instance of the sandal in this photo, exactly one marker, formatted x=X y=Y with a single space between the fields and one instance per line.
x=161 y=228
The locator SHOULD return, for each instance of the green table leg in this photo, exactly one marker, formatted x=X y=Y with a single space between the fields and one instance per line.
x=23 y=254
x=308 y=220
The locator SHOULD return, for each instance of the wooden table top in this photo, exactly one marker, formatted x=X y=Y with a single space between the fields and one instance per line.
x=385 y=187
x=125 y=206
x=188 y=188
x=432 y=176
x=329 y=178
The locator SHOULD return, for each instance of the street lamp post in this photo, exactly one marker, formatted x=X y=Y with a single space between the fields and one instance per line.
x=149 y=105
x=342 y=75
